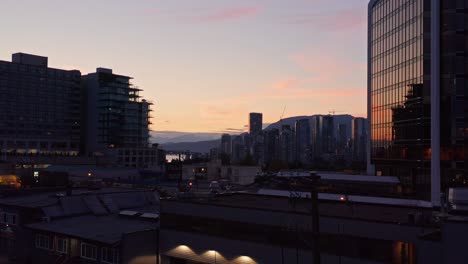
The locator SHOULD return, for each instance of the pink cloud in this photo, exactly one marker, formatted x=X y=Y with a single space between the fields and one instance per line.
x=286 y=84
x=232 y=13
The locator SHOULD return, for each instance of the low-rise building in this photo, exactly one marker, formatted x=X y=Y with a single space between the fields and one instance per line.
x=275 y=229
x=242 y=175
x=214 y=170
x=79 y=226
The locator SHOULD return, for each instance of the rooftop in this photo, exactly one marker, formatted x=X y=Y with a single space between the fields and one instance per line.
x=342 y=177
x=51 y=196
x=106 y=229
x=378 y=212
x=359 y=178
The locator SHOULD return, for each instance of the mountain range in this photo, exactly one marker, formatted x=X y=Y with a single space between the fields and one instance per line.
x=200 y=146
x=164 y=137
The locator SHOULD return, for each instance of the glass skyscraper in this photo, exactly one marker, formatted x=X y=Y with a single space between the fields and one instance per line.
x=417 y=105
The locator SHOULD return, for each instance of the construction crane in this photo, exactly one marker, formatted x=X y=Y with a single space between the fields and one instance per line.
x=282 y=114
x=281 y=118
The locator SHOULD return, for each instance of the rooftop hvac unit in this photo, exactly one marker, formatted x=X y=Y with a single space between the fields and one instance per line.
x=458 y=199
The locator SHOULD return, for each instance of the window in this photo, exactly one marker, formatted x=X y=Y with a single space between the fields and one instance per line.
x=88 y=251
x=8 y=218
x=110 y=255
x=62 y=245
x=42 y=241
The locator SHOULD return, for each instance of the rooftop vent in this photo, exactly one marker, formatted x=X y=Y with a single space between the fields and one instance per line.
x=128 y=213
x=150 y=216
x=104 y=70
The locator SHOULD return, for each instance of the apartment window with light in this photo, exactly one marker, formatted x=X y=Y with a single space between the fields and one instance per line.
x=88 y=251
x=42 y=241
x=62 y=245
x=110 y=256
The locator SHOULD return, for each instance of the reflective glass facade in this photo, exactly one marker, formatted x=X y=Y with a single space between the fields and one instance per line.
x=399 y=111
x=400 y=91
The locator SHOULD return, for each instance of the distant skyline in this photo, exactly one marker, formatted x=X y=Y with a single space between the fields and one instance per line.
x=207 y=63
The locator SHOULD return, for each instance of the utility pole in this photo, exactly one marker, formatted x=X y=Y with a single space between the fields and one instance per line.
x=180 y=172
x=315 y=221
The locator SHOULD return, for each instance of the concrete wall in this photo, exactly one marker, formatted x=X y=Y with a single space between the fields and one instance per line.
x=242 y=175
x=205 y=249
x=425 y=251
x=454 y=242
x=139 y=247
x=332 y=225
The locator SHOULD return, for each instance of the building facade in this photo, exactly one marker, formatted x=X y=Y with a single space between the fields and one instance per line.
x=323 y=135
x=116 y=115
x=226 y=144
x=287 y=144
x=238 y=149
x=39 y=109
x=255 y=123
x=417 y=93
x=359 y=139
x=303 y=134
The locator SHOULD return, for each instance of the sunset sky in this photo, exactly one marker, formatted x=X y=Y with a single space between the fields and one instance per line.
x=206 y=63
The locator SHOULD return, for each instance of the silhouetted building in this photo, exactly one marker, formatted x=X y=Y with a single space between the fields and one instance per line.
x=116 y=116
x=226 y=145
x=79 y=226
x=238 y=149
x=39 y=108
x=274 y=227
x=117 y=120
x=417 y=94
x=255 y=123
x=287 y=146
x=342 y=141
x=302 y=141
x=359 y=139
x=272 y=146
x=258 y=148
x=323 y=135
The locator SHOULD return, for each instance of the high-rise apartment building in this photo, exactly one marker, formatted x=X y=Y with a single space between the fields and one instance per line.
x=286 y=144
x=359 y=139
x=302 y=130
x=255 y=123
x=116 y=116
x=226 y=144
x=417 y=93
x=238 y=149
x=323 y=135
x=39 y=108
x=272 y=146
